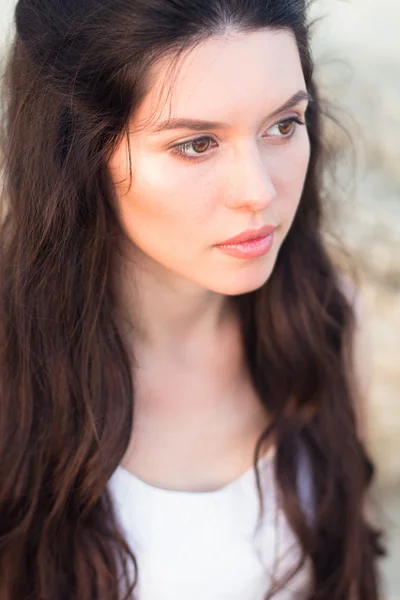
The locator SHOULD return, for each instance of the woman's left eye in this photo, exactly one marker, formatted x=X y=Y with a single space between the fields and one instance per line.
x=285 y=128
x=288 y=126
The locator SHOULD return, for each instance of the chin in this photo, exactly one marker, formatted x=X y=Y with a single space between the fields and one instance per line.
x=245 y=283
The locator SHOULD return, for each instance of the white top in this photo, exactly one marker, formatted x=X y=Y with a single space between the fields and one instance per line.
x=204 y=545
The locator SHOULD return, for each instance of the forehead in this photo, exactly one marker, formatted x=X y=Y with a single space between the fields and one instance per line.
x=224 y=78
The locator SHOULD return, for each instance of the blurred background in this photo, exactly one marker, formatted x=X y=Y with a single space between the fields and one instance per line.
x=356 y=47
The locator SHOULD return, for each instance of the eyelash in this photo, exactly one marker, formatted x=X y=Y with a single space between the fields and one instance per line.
x=177 y=150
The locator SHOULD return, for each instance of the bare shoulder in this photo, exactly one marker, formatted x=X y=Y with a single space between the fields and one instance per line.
x=362 y=354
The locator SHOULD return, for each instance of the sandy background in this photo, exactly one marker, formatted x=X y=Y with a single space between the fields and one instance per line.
x=357 y=51
x=356 y=46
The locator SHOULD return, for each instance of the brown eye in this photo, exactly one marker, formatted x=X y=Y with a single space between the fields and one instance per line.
x=194 y=149
x=286 y=127
x=200 y=145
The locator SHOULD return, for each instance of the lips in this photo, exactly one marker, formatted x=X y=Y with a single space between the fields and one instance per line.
x=250 y=234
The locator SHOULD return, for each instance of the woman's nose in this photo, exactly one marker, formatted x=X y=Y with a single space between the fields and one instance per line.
x=249 y=183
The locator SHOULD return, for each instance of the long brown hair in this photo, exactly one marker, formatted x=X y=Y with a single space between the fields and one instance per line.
x=75 y=74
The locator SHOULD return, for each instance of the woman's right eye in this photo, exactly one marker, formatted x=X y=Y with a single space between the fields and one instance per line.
x=200 y=146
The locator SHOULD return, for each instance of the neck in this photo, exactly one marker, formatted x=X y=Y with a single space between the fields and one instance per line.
x=162 y=313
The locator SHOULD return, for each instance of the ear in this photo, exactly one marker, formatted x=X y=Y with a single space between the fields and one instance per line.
x=362 y=364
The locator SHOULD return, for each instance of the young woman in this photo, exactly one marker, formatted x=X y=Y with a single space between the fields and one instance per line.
x=180 y=396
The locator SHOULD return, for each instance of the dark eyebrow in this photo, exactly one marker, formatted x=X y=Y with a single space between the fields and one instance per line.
x=199 y=125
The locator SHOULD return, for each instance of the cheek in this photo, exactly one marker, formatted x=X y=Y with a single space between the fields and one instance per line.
x=290 y=171
x=160 y=211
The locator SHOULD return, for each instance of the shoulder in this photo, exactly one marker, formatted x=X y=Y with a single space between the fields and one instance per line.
x=361 y=366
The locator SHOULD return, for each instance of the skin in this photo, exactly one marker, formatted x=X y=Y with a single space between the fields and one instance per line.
x=173 y=283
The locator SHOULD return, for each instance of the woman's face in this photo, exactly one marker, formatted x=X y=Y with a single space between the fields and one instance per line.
x=187 y=196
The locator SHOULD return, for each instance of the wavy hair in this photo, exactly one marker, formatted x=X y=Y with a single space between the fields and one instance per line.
x=75 y=73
